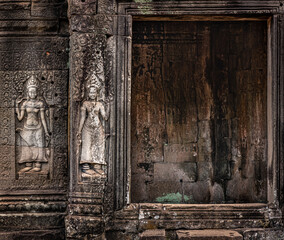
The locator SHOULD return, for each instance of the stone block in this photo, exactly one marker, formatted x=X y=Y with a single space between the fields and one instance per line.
x=180 y=152
x=205 y=149
x=35 y=221
x=264 y=234
x=204 y=129
x=205 y=171
x=119 y=235
x=81 y=226
x=57 y=234
x=175 y=172
x=99 y=23
x=155 y=234
x=86 y=7
x=217 y=193
x=209 y=235
x=199 y=191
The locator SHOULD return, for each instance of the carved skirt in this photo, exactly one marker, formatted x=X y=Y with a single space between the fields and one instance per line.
x=93 y=145
x=32 y=144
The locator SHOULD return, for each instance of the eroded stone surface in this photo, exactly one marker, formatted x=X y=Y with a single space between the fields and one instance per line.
x=33 y=235
x=155 y=234
x=196 y=110
x=264 y=234
x=209 y=235
x=34 y=40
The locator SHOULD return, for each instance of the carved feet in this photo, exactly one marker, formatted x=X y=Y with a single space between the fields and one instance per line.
x=29 y=168
x=87 y=171
x=100 y=172
x=37 y=168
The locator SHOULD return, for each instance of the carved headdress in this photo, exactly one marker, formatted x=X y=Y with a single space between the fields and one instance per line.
x=94 y=81
x=32 y=82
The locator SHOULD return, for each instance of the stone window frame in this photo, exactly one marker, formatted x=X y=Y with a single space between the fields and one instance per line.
x=236 y=11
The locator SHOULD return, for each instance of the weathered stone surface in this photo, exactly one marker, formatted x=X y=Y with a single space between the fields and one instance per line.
x=31 y=221
x=87 y=7
x=33 y=235
x=261 y=234
x=209 y=235
x=86 y=209
x=187 y=95
x=118 y=235
x=180 y=152
x=99 y=23
x=33 y=105
x=183 y=216
x=155 y=234
x=50 y=75
x=216 y=88
x=175 y=172
x=80 y=227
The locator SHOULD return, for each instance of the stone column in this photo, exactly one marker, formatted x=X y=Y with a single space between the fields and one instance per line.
x=92 y=44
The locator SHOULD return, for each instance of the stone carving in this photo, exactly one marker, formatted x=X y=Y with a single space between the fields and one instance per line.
x=86 y=7
x=28 y=54
x=88 y=23
x=6 y=140
x=93 y=46
x=91 y=134
x=46 y=58
x=33 y=137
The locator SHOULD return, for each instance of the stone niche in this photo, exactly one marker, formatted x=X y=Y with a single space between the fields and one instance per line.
x=199 y=111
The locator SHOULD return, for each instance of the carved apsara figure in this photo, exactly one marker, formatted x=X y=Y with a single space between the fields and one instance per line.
x=91 y=134
x=34 y=135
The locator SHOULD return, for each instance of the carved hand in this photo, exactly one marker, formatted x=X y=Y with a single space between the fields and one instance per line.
x=47 y=136
x=19 y=100
x=79 y=137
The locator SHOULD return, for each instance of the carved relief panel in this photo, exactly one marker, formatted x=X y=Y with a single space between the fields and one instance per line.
x=33 y=138
x=91 y=96
x=91 y=133
x=33 y=103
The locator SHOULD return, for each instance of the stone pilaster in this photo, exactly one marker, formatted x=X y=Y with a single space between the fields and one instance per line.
x=92 y=91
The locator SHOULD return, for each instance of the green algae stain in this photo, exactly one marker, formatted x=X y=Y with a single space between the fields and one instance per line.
x=173 y=198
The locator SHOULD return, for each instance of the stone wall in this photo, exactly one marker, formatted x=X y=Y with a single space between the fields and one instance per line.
x=65 y=122
x=34 y=46
x=197 y=125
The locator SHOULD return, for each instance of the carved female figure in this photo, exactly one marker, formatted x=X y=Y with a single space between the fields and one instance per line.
x=34 y=134
x=91 y=134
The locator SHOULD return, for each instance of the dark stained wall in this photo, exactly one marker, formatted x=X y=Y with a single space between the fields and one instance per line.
x=199 y=112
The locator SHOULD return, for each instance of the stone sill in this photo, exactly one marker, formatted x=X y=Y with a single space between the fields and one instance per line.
x=145 y=216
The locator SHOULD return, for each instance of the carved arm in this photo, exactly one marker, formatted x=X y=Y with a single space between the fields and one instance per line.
x=82 y=121
x=20 y=113
x=104 y=113
x=42 y=116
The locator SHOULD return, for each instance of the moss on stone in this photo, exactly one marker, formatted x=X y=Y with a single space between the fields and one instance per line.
x=172 y=198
